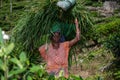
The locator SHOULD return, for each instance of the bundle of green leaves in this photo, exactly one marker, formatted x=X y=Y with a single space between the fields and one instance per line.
x=33 y=29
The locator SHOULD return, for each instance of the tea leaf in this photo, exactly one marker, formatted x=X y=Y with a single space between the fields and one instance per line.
x=23 y=57
x=17 y=62
x=9 y=48
x=34 y=68
x=15 y=72
x=29 y=78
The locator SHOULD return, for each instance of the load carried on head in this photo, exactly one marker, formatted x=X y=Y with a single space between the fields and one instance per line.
x=66 y=4
x=32 y=30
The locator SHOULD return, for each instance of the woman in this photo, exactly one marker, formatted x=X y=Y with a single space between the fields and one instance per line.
x=56 y=54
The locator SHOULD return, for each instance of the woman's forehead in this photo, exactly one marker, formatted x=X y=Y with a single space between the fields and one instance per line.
x=57 y=33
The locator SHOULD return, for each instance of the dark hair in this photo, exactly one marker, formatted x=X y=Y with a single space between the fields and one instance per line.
x=51 y=35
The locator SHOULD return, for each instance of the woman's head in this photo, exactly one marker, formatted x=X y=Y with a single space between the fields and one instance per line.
x=55 y=37
x=55 y=33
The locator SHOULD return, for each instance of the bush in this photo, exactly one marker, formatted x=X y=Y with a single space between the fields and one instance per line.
x=113 y=43
x=108 y=34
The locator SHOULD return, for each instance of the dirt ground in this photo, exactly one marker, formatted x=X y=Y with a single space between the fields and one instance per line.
x=76 y=70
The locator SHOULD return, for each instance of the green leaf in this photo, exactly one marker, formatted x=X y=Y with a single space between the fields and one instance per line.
x=61 y=73
x=100 y=78
x=9 y=48
x=51 y=77
x=2 y=66
x=77 y=77
x=35 y=68
x=1 y=37
x=17 y=62
x=1 y=52
x=2 y=77
x=29 y=78
x=15 y=79
x=15 y=72
x=23 y=57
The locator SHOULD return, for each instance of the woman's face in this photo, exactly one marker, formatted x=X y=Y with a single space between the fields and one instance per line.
x=56 y=37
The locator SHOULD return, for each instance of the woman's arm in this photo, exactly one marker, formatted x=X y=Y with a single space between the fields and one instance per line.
x=42 y=51
x=77 y=38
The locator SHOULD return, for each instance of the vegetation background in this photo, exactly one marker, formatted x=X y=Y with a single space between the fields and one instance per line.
x=95 y=57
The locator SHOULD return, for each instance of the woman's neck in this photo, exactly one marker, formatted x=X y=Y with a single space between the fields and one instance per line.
x=55 y=45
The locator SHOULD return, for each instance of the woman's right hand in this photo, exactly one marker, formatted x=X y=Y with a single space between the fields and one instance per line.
x=76 y=21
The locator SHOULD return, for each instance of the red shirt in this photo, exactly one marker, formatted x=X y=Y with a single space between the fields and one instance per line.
x=56 y=58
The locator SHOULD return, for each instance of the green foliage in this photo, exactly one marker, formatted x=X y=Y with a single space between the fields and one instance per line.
x=94 y=14
x=88 y=2
x=117 y=75
x=112 y=43
x=19 y=67
x=117 y=11
x=109 y=28
x=108 y=34
x=8 y=20
x=96 y=4
x=106 y=20
x=103 y=30
x=94 y=53
x=96 y=77
x=93 y=3
x=13 y=67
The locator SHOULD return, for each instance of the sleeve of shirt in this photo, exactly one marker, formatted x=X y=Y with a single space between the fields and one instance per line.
x=67 y=48
x=67 y=44
x=43 y=52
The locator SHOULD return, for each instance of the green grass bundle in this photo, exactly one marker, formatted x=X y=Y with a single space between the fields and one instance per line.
x=33 y=29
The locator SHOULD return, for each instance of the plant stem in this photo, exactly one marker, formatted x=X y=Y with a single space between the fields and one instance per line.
x=24 y=77
x=6 y=68
x=10 y=6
